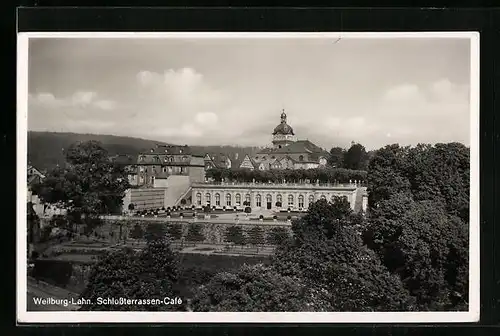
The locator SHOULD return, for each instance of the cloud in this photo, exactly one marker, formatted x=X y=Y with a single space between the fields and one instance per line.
x=403 y=92
x=439 y=111
x=81 y=99
x=206 y=119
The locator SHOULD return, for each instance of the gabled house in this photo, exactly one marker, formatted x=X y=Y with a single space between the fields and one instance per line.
x=34 y=176
x=248 y=163
x=217 y=161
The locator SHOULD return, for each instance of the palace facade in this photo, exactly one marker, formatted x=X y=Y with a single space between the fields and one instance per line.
x=286 y=152
x=274 y=196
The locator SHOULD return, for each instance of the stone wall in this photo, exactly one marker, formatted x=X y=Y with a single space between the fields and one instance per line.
x=212 y=232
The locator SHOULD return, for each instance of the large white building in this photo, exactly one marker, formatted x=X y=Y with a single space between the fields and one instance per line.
x=275 y=196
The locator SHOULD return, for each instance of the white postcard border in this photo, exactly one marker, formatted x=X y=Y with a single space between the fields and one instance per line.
x=23 y=316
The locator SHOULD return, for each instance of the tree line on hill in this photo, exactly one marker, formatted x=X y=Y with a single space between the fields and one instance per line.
x=46 y=150
x=409 y=252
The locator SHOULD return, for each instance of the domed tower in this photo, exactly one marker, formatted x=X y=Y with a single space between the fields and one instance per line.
x=283 y=133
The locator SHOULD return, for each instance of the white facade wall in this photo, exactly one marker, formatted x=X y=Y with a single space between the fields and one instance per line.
x=210 y=193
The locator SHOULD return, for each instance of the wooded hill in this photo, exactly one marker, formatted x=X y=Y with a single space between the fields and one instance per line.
x=46 y=149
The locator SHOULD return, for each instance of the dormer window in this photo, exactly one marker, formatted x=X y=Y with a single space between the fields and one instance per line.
x=166 y=150
x=180 y=151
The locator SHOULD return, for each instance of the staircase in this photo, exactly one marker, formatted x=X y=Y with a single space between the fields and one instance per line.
x=183 y=195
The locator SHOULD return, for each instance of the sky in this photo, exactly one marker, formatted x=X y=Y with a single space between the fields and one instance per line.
x=221 y=91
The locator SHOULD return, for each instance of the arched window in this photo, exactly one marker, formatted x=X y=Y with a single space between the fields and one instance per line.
x=279 y=198
x=217 y=199
x=156 y=159
x=198 y=198
x=269 y=198
x=248 y=199
x=207 y=198
x=290 y=200
x=301 y=201
x=142 y=158
x=311 y=199
x=301 y=158
x=258 y=200
x=238 y=199
x=228 y=199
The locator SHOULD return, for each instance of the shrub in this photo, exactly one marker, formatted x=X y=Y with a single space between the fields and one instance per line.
x=137 y=232
x=181 y=215
x=234 y=234
x=183 y=201
x=248 y=210
x=57 y=272
x=174 y=231
x=289 y=217
x=131 y=206
x=275 y=217
x=195 y=233
x=261 y=217
x=277 y=235
x=278 y=204
x=256 y=236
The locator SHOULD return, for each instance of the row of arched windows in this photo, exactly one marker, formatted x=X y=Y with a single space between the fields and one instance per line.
x=258 y=199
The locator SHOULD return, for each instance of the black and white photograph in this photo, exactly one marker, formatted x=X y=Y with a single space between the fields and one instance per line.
x=258 y=177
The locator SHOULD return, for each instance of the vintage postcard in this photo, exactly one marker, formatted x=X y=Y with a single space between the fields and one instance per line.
x=248 y=177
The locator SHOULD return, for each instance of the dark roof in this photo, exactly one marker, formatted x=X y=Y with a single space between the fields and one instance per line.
x=169 y=149
x=300 y=146
x=283 y=128
x=124 y=159
x=219 y=160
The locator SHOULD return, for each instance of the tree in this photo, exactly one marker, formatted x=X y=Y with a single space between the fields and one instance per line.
x=174 y=231
x=33 y=230
x=355 y=157
x=323 y=218
x=148 y=274
x=277 y=235
x=426 y=246
x=155 y=231
x=255 y=236
x=327 y=253
x=234 y=234
x=386 y=174
x=256 y=288
x=336 y=158
x=195 y=233
x=137 y=232
x=88 y=185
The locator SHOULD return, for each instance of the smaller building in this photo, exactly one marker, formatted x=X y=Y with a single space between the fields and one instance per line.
x=34 y=176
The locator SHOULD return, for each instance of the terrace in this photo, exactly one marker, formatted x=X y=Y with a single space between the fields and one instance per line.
x=284 y=185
